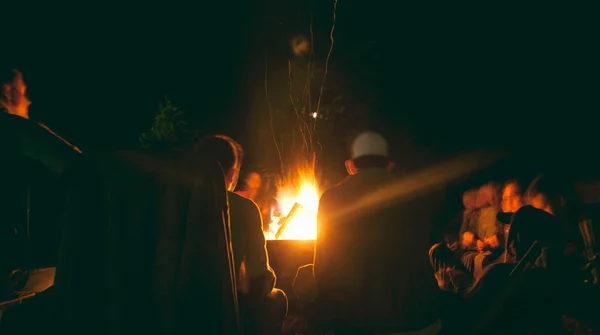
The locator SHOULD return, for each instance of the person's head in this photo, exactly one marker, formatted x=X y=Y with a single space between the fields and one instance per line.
x=512 y=196
x=368 y=150
x=469 y=198
x=253 y=180
x=13 y=98
x=487 y=195
x=551 y=194
x=252 y=184
x=227 y=152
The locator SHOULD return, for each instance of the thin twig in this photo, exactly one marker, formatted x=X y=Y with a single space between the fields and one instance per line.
x=302 y=134
x=269 y=105
x=327 y=60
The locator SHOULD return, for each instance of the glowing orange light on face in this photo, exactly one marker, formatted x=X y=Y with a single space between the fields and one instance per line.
x=14 y=96
x=303 y=225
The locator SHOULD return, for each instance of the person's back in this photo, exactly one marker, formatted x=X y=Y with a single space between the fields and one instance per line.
x=260 y=304
x=371 y=263
x=136 y=256
x=248 y=243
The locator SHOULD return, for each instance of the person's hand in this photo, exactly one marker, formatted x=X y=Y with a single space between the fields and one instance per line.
x=492 y=241
x=468 y=239
x=443 y=278
x=481 y=245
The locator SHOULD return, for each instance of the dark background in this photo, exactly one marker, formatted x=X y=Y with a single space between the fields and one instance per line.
x=448 y=77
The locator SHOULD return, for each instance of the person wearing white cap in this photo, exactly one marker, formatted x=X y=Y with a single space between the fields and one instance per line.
x=368 y=150
x=371 y=270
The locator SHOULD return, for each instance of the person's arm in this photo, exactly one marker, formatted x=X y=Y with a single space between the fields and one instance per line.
x=464 y=225
x=260 y=274
x=492 y=230
x=321 y=260
x=468 y=235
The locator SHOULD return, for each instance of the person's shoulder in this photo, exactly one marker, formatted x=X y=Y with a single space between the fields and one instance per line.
x=530 y=211
x=531 y=216
x=241 y=202
x=353 y=183
x=333 y=191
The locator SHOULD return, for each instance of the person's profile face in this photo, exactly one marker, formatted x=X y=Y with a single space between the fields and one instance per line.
x=539 y=202
x=512 y=199
x=484 y=196
x=253 y=181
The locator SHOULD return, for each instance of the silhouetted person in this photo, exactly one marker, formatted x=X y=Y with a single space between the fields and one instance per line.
x=146 y=246
x=513 y=197
x=447 y=254
x=256 y=279
x=370 y=268
x=482 y=237
x=251 y=186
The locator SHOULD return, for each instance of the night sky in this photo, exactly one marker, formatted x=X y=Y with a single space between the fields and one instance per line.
x=447 y=77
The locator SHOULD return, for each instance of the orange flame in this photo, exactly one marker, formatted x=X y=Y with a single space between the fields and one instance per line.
x=303 y=226
x=14 y=98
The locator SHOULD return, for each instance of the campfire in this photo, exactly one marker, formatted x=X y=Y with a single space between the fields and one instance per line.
x=296 y=215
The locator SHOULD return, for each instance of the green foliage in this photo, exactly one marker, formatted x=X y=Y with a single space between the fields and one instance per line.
x=169 y=127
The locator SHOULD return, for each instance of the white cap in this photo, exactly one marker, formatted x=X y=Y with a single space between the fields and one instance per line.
x=369 y=144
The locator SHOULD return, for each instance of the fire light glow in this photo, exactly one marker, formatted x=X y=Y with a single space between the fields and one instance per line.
x=303 y=225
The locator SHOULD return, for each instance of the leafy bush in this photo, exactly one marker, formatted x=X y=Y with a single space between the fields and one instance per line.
x=169 y=128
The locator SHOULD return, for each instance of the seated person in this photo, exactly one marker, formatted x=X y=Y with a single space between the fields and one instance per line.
x=371 y=273
x=443 y=256
x=531 y=294
x=256 y=279
x=513 y=199
x=451 y=236
x=251 y=186
x=258 y=187
x=481 y=238
x=555 y=198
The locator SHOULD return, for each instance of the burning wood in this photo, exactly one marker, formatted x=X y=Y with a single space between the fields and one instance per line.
x=294 y=217
x=301 y=204
x=283 y=223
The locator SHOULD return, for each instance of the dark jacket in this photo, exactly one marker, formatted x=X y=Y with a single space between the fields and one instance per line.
x=33 y=162
x=530 y=224
x=249 y=245
x=371 y=263
x=146 y=247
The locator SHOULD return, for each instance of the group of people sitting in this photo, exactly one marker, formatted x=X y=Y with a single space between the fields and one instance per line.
x=512 y=266
x=484 y=226
x=506 y=231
